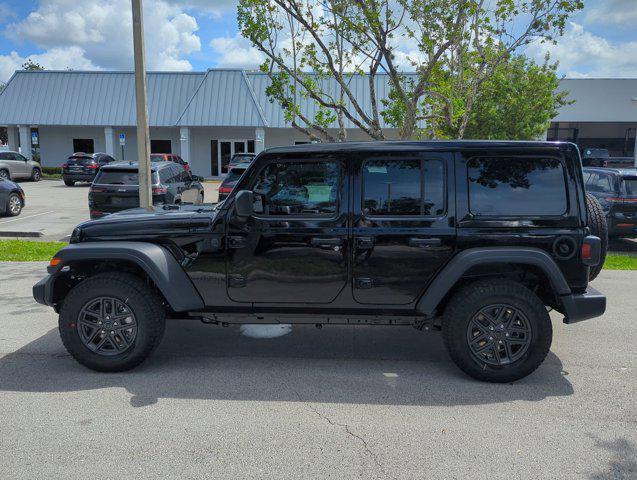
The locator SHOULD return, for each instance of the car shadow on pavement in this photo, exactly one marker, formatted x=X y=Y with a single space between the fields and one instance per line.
x=337 y=364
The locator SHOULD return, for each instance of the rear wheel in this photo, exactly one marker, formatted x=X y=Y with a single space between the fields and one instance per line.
x=4 y=174
x=36 y=175
x=497 y=331
x=69 y=183
x=14 y=205
x=599 y=228
x=111 y=322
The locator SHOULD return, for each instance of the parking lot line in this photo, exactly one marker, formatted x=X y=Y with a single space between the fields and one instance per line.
x=24 y=218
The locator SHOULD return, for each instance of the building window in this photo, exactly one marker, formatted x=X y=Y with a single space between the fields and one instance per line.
x=86 y=145
x=161 y=146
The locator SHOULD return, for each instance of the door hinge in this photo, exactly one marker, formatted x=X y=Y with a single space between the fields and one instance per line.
x=235 y=241
x=363 y=283
x=236 y=281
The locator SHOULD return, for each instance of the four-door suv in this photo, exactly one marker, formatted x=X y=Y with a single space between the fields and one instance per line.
x=116 y=187
x=15 y=166
x=616 y=191
x=82 y=167
x=478 y=239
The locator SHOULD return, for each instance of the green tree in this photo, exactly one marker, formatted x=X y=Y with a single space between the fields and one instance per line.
x=31 y=65
x=516 y=102
x=456 y=46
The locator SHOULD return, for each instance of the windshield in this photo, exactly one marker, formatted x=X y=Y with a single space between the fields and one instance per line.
x=239 y=158
x=631 y=185
x=120 y=177
x=82 y=160
x=233 y=175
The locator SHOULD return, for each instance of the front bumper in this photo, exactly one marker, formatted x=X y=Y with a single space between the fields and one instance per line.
x=43 y=291
x=583 y=306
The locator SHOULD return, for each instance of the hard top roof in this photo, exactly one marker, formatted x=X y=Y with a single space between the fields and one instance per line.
x=410 y=145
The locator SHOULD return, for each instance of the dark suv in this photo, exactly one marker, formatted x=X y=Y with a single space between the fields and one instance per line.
x=83 y=167
x=616 y=191
x=116 y=187
x=477 y=239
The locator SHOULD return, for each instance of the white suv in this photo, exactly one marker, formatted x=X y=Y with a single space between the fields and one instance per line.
x=14 y=166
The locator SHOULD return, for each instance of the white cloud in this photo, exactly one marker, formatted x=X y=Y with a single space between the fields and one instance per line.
x=613 y=12
x=102 y=30
x=583 y=54
x=54 y=59
x=236 y=52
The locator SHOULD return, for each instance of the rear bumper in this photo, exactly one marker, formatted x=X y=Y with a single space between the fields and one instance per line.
x=583 y=306
x=43 y=291
x=79 y=177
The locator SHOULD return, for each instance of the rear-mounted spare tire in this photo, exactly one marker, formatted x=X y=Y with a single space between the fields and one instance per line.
x=599 y=228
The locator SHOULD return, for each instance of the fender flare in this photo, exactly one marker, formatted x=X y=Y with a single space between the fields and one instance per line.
x=160 y=265
x=465 y=260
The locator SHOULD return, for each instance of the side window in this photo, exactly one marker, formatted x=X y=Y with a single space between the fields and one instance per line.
x=298 y=188
x=165 y=176
x=4 y=156
x=403 y=187
x=516 y=186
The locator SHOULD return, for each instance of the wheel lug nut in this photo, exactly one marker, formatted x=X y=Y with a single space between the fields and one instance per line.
x=500 y=342
x=490 y=338
x=113 y=333
x=506 y=334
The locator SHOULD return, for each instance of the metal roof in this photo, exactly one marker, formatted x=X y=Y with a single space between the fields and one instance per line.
x=223 y=98
x=93 y=98
x=233 y=97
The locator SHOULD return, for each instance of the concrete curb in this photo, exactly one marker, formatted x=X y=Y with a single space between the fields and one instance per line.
x=15 y=234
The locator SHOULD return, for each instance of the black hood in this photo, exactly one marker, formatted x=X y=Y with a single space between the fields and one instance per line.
x=137 y=223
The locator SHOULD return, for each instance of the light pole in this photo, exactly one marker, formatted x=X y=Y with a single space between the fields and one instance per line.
x=143 y=141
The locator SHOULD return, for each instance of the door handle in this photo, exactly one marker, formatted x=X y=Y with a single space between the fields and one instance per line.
x=424 y=242
x=364 y=242
x=327 y=242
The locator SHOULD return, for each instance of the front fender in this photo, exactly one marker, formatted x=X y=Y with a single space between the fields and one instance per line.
x=158 y=263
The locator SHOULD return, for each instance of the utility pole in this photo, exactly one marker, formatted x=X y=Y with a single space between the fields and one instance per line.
x=143 y=140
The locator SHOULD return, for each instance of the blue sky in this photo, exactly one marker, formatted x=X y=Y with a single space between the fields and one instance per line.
x=601 y=41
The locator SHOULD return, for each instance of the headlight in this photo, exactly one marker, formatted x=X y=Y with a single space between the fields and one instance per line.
x=76 y=236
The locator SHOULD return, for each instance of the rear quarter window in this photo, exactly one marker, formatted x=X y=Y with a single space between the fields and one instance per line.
x=516 y=186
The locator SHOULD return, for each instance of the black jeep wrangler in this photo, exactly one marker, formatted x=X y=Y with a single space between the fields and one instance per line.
x=477 y=239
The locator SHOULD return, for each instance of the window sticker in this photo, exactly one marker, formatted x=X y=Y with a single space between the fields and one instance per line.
x=319 y=193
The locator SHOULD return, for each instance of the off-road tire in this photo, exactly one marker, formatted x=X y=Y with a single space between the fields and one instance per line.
x=137 y=296
x=599 y=228
x=69 y=183
x=36 y=175
x=468 y=301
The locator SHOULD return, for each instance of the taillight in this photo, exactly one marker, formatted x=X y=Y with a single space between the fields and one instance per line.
x=92 y=166
x=159 y=190
x=225 y=189
x=97 y=190
x=587 y=251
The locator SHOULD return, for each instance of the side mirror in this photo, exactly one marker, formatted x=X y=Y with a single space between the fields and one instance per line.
x=243 y=204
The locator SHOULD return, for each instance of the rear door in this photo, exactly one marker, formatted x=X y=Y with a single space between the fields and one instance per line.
x=294 y=249
x=403 y=227
x=17 y=165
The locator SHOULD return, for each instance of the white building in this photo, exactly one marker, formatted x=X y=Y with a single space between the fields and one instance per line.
x=207 y=116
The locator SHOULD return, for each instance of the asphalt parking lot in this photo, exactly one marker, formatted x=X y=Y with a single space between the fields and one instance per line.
x=52 y=210
x=341 y=402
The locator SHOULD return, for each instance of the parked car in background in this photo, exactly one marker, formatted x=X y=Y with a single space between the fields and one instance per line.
x=170 y=157
x=241 y=159
x=15 y=166
x=11 y=198
x=616 y=191
x=82 y=167
x=230 y=181
x=595 y=157
x=116 y=187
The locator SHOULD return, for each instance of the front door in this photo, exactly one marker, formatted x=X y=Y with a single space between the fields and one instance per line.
x=403 y=226
x=295 y=247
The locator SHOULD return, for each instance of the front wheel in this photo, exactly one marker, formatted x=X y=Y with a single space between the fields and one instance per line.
x=497 y=331
x=111 y=322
